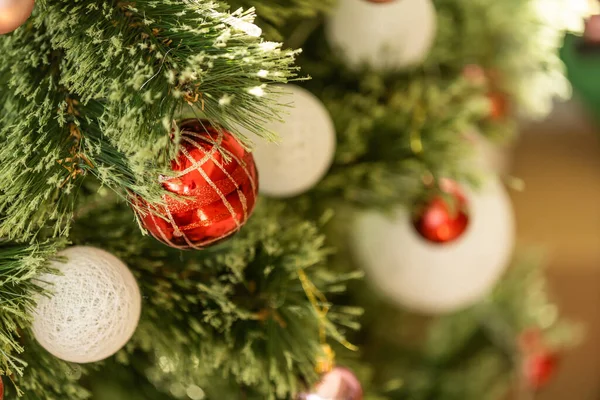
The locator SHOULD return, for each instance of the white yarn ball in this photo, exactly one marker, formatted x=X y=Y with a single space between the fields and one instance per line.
x=386 y=36
x=438 y=278
x=306 y=150
x=94 y=309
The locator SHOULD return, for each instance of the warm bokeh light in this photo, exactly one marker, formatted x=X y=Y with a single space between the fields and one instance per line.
x=567 y=14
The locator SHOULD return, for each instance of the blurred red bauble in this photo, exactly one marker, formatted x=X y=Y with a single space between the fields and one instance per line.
x=499 y=102
x=1 y=389
x=498 y=105
x=539 y=363
x=441 y=222
x=539 y=368
x=338 y=384
x=220 y=194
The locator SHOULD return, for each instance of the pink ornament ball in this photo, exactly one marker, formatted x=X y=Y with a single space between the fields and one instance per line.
x=339 y=384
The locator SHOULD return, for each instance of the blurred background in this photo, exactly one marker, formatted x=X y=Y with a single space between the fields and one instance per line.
x=559 y=210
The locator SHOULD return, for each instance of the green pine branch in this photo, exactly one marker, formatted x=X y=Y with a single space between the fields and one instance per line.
x=47 y=377
x=98 y=86
x=396 y=129
x=19 y=265
x=35 y=182
x=237 y=311
x=392 y=133
x=281 y=19
x=150 y=59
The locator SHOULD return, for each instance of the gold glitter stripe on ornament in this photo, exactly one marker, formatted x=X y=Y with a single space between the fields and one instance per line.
x=241 y=162
x=228 y=175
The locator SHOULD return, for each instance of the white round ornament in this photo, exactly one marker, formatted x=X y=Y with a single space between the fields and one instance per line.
x=386 y=35
x=94 y=308
x=489 y=156
x=436 y=278
x=304 y=154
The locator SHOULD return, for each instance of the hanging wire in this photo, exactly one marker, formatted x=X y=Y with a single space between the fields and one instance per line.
x=321 y=306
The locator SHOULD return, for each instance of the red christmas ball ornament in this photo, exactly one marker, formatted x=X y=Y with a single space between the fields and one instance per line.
x=499 y=105
x=499 y=102
x=338 y=384
x=218 y=184
x=539 y=368
x=539 y=363
x=1 y=389
x=441 y=222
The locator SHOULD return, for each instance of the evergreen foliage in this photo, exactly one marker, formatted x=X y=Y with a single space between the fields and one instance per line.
x=237 y=310
x=95 y=87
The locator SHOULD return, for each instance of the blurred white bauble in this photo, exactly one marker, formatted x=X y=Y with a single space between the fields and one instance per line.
x=490 y=157
x=494 y=157
x=385 y=35
x=94 y=308
x=304 y=154
x=435 y=278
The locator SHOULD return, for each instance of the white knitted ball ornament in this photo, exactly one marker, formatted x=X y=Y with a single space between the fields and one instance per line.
x=433 y=278
x=307 y=147
x=386 y=35
x=94 y=309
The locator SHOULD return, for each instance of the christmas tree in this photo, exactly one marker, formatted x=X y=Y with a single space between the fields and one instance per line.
x=156 y=244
